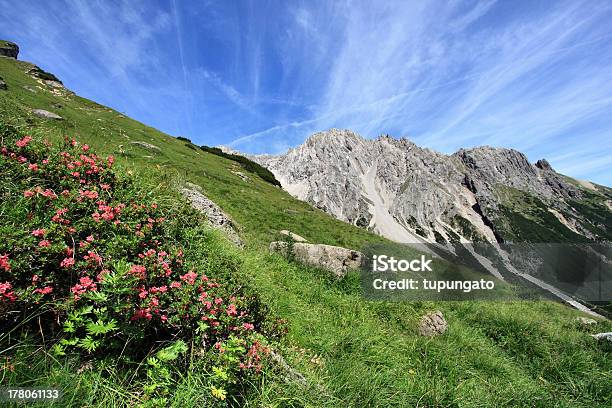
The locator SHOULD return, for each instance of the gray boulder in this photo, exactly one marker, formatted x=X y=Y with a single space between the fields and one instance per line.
x=585 y=321
x=41 y=113
x=9 y=49
x=543 y=164
x=602 y=336
x=293 y=236
x=146 y=145
x=3 y=85
x=216 y=217
x=432 y=324
x=335 y=259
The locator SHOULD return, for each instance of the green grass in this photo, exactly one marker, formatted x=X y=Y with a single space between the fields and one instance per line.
x=352 y=352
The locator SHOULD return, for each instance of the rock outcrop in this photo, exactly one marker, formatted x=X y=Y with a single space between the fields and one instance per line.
x=585 y=321
x=216 y=217
x=293 y=236
x=41 y=113
x=9 y=49
x=335 y=259
x=602 y=336
x=145 y=145
x=46 y=77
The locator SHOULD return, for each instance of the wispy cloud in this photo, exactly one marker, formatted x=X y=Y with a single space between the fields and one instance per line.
x=451 y=75
x=263 y=76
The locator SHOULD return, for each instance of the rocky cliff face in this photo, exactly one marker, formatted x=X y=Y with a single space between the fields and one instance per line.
x=413 y=194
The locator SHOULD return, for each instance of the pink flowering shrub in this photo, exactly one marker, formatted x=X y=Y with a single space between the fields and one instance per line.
x=111 y=266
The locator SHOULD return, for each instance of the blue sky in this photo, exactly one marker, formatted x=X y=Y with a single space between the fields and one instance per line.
x=262 y=76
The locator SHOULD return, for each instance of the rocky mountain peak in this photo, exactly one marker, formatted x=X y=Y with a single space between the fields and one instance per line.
x=333 y=138
x=413 y=194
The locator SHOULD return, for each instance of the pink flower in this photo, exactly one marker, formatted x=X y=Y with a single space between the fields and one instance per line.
x=33 y=166
x=5 y=291
x=49 y=193
x=108 y=215
x=85 y=284
x=138 y=270
x=38 y=232
x=58 y=216
x=4 y=263
x=24 y=142
x=231 y=310
x=85 y=148
x=86 y=281
x=175 y=285
x=28 y=193
x=218 y=301
x=189 y=277
x=67 y=262
x=44 y=243
x=160 y=289
x=44 y=291
x=142 y=314
x=248 y=326
x=93 y=257
x=91 y=194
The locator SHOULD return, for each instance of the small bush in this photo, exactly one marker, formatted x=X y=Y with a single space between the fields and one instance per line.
x=248 y=165
x=184 y=139
x=106 y=267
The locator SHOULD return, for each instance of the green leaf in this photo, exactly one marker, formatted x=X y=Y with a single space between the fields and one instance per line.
x=172 y=352
x=85 y=310
x=100 y=328
x=202 y=327
x=58 y=350
x=220 y=373
x=69 y=326
x=70 y=342
x=96 y=296
x=89 y=344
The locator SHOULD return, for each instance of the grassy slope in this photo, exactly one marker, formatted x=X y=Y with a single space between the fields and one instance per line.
x=525 y=218
x=353 y=352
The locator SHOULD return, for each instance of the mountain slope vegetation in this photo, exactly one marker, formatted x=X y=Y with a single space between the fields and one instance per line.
x=350 y=351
